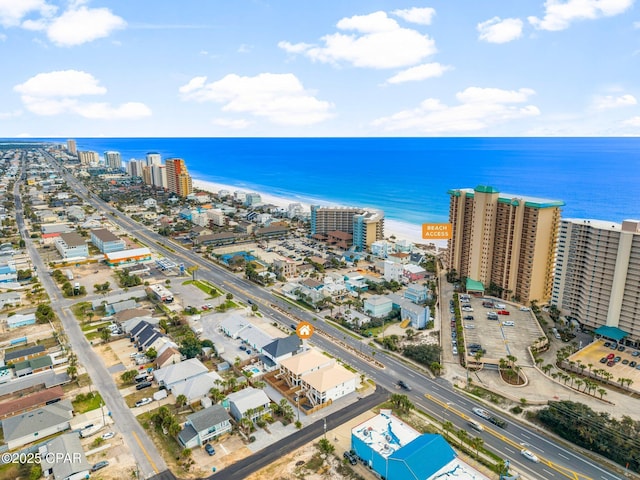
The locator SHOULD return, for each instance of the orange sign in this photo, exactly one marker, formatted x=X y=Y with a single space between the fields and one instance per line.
x=436 y=231
x=304 y=330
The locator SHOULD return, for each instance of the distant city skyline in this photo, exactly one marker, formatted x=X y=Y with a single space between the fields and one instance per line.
x=160 y=68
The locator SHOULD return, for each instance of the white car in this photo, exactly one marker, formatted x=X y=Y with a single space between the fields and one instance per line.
x=530 y=455
x=481 y=412
x=476 y=425
x=508 y=323
x=143 y=402
x=524 y=309
x=108 y=435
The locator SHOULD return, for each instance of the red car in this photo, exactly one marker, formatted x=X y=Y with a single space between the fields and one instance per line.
x=611 y=356
x=503 y=312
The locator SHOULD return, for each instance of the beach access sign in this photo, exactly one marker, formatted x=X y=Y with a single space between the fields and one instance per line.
x=436 y=231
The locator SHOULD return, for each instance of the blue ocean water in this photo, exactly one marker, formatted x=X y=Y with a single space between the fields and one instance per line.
x=409 y=177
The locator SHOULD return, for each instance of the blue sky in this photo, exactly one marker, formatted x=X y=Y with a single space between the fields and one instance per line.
x=334 y=68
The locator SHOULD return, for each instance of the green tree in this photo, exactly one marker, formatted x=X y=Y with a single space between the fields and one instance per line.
x=105 y=335
x=325 y=446
x=181 y=400
x=129 y=376
x=190 y=346
x=152 y=354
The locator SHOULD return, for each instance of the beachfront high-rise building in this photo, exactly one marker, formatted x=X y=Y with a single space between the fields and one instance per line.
x=154 y=158
x=89 y=158
x=159 y=176
x=178 y=178
x=366 y=225
x=597 y=277
x=506 y=242
x=134 y=167
x=112 y=160
x=71 y=147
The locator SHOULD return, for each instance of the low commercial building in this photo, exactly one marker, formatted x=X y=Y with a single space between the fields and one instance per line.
x=106 y=241
x=395 y=451
x=127 y=257
x=72 y=246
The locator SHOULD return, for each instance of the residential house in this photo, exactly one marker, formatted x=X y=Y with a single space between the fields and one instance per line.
x=329 y=383
x=20 y=320
x=64 y=458
x=282 y=348
x=33 y=365
x=71 y=246
x=419 y=316
x=28 y=427
x=204 y=426
x=170 y=356
x=171 y=375
x=24 y=354
x=413 y=273
x=10 y=298
x=196 y=388
x=294 y=368
x=393 y=271
x=106 y=241
x=416 y=293
x=150 y=203
x=399 y=257
x=29 y=402
x=249 y=403
x=285 y=267
x=378 y=306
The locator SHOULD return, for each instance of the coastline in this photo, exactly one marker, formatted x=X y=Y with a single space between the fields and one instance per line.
x=399 y=229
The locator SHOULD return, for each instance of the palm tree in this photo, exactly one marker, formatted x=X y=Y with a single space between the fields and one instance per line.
x=476 y=443
x=578 y=382
x=462 y=435
x=72 y=371
x=216 y=395
x=174 y=429
x=447 y=427
x=602 y=392
x=181 y=400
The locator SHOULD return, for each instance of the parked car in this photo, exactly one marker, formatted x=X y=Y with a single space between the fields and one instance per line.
x=351 y=457
x=625 y=362
x=503 y=312
x=508 y=324
x=610 y=363
x=621 y=348
x=468 y=317
x=633 y=364
x=108 y=435
x=143 y=402
x=603 y=360
x=210 y=450
x=617 y=359
x=529 y=455
x=99 y=465
x=142 y=385
x=607 y=344
x=635 y=353
x=524 y=309
x=611 y=356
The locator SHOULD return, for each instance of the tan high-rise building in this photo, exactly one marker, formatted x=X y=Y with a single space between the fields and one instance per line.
x=71 y=147
x=88 y=158
x=506 y=242
x=178 y=178
x=597 y=276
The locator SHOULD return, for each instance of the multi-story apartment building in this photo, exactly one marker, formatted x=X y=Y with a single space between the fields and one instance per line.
x=597 y=277
x=113 y=160
x=159 y=176
x=88 y=158
x=366 y=225
x=506 y=242
x=134 y=167
x=178 y=178
x=154 y=158
x=71 y=147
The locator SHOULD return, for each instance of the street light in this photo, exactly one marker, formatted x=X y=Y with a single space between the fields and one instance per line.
x=324 y=419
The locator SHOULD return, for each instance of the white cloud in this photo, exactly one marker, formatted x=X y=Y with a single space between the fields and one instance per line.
x=610 y=101
x=479 y=109
x=56 y=93
x=559 y=15
x=82 y=25
x=280 y=98
x=244 y=48
x=7 y=115
x=636 y=24
x=232 y=124
x=421 y=16
x=13 y=11
x=371 y=23
x=294 y=47
x=632 y=122
x=3 y=37
x=420 y=72
x=497 y=30
x=379 y=42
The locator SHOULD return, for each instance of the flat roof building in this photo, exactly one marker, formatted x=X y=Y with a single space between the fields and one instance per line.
x=507 y=242
x=597 y=276
x=365 y=225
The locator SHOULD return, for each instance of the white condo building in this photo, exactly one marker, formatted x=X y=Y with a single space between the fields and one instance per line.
x=597 y=277
x=112 y=160
x=153 y=158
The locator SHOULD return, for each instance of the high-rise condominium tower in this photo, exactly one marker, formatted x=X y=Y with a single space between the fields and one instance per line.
x=506 y=242
x=178 y=178
x=597 y=277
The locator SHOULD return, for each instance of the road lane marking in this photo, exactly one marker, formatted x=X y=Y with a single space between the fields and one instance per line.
x=144 y=450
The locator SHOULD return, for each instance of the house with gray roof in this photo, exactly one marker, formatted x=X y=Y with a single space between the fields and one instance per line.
x=24 y=354
x=205 y=425
x=282 y=348
x=179 y=372
x=65 y=446
x=37 y=424
x=196 y=388
x=249 y=403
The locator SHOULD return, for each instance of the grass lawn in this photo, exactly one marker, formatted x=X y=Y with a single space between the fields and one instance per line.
x=93 y=326
x=205 y=286
x=375 y=331
x=92 y=336
x=48 y=342
x=79 y=308
x=84 y=403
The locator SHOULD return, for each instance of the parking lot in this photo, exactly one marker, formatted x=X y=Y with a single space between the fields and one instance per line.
x=508 y=333
x=593 y=354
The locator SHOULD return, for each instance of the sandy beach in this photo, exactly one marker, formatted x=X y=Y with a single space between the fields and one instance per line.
x=398 y=229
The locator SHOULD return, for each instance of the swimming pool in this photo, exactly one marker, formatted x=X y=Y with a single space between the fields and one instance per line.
x=255 y=370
